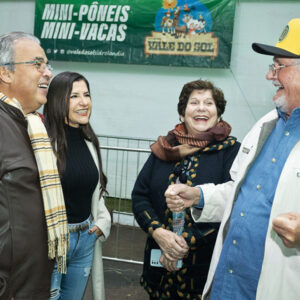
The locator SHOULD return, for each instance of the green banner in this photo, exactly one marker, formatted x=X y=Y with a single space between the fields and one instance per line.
x=160 y=32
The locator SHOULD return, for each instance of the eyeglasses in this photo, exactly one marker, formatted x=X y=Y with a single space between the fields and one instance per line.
x=274 y=68
x=39 y=64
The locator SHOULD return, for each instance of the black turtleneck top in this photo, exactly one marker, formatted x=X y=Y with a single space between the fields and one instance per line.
x=80 y=177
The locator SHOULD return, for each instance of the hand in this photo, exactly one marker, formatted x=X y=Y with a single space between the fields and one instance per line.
x=97 y=231
x=181 y=196
x=172 y=245
x=170 y=265
x=287 y=226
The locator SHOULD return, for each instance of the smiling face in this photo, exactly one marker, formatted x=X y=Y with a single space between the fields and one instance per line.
x=27 y=84
x=200 y=113
x=287 y=82
x=80 y=104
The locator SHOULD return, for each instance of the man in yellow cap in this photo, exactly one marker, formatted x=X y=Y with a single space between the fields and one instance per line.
x=257 y=252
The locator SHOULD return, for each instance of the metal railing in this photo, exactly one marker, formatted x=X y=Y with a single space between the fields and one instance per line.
x=123 y=158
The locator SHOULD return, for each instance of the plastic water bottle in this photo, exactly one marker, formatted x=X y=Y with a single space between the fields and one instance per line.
x=178 y=222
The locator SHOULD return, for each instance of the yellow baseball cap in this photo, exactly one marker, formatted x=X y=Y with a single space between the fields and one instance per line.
x=288 y=45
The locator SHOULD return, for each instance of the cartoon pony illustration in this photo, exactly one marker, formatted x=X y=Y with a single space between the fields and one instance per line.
x=167 y=23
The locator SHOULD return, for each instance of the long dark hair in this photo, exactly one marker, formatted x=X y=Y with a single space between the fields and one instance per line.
x=56 y=112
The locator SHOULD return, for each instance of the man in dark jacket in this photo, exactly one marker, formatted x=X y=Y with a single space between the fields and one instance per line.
x=25 y=270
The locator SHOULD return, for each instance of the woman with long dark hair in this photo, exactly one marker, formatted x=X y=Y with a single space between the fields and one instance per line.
x=76 y=146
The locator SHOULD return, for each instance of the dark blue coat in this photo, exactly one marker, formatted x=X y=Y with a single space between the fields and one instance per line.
x=149 y=205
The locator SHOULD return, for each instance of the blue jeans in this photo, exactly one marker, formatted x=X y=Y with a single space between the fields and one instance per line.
x=71 y=286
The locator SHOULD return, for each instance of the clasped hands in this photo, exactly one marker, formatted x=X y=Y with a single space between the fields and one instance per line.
x=181 y=196
x=173 y=247
x=286 y=225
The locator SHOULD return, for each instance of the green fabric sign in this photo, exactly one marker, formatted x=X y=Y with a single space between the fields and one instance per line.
x=160 y=32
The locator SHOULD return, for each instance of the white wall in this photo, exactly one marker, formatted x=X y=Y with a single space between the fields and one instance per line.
x=141 y=101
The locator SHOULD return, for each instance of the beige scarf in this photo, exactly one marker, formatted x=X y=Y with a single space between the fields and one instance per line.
x=54 y=205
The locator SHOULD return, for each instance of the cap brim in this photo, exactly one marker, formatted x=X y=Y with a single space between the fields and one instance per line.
x=274 y=51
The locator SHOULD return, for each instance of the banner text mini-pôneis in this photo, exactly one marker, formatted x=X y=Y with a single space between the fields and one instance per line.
x=89 y=22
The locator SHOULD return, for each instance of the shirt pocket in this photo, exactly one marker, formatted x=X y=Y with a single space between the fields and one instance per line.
x=241 y=162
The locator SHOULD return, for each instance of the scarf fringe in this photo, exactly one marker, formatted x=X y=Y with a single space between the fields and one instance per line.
x=58 y=249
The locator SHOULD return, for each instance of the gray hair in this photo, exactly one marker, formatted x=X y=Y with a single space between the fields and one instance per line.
x=7 y=51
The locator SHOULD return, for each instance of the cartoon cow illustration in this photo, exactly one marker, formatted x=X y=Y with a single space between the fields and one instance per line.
x=194 y=25
x=202 y=23
x=181 y=31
